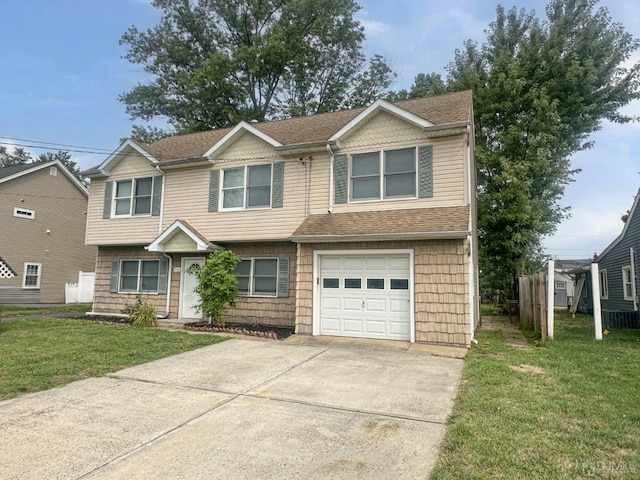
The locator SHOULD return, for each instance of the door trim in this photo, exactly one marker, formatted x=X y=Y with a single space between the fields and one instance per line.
x=183 y=269
x=315 y=318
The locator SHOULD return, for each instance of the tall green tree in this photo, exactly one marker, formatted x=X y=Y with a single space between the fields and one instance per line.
x=19 y=156
x=214 y=62
x=541 y=88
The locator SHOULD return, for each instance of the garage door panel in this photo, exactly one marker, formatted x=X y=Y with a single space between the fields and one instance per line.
x=365 y=296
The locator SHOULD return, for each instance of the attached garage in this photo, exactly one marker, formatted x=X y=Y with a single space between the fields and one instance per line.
x=366 y=294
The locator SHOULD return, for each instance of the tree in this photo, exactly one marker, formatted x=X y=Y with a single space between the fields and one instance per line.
x=424 y=84
x=217 y=284
x=147 y=134
x=215 y=62
x=540 y=89
x=19 y=157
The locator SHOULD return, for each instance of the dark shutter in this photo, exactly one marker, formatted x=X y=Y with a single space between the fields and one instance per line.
x=340 y=178
x=163 y=276
x=278 y=185
x=425 y=171
x=108 y=193
x=214 y=185
x=115 y=264
x=283 y=277
x=157 y=195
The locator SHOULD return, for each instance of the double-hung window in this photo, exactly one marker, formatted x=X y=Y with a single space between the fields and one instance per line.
x=139 y=276
x=246 y=187
x=627 y=283
x=258 y=276
x=133 y=197
x=384 y=174
x=32 y=275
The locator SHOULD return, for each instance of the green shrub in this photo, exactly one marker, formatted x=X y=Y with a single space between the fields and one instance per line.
x=141 y=313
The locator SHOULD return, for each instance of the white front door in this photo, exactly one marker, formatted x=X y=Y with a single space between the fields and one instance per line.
x=365 y=296
x=188 y=282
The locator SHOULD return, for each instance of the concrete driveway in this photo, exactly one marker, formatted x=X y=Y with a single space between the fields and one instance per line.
x=241 y=409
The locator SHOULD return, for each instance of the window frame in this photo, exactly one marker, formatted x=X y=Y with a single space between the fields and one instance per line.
x=24 y=213
x=561 y=285
x=245 y=189
x=38 y=276
x=251 y=277
x=139 y=276
x=382 y=176
x=132 y=198
x=604 y=284
x=627 y=268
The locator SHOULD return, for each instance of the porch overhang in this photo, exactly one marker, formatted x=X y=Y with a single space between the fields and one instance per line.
x=180 y=237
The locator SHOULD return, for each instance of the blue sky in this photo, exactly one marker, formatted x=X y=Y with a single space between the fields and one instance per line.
x=63 y=71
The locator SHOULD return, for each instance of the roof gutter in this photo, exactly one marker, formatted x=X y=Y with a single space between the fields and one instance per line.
x=303 y=146
x=369 y=237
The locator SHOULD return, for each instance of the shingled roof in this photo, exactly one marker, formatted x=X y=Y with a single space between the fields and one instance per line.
x=438 y=109
x=414 y=223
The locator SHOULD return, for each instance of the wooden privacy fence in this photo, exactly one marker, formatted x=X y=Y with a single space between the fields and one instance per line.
x=532 y=301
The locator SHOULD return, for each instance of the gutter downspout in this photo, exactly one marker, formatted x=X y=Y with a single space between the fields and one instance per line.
x=330 y=179
x=471 y=267
x=633 y=278
x=160 y=218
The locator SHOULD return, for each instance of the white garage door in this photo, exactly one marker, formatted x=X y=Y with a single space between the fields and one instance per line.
x=365 y=296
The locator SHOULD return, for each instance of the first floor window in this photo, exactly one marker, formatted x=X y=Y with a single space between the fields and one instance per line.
x=604 y=284
x=32 y=275
x=627 y=283
x=139 y=276
x=258 y=276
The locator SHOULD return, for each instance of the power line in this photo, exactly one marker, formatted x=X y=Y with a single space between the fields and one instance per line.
x=57 y=144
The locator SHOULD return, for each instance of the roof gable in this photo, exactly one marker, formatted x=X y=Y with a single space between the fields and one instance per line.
x=126 y=147
x=237 y=132
x=622 y=235
x=372 y=110
x=9 y=173
x=178 y=234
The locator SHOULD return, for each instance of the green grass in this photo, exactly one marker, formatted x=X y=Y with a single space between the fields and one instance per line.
x=579 y=418
x=38 y=354
x=490 y=310
x=20 y=310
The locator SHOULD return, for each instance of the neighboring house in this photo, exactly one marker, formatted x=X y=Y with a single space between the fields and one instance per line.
x=618 y=266
x=358 y=223
x=43 y=209
x=564 y=281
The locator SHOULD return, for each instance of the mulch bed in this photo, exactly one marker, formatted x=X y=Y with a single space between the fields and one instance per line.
x=265 y=331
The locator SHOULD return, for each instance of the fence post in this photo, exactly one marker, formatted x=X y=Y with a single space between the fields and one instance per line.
x=550 y=300
x=597 y=313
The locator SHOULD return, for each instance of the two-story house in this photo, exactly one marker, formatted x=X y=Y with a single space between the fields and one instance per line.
x=358 y=223
x=43 y=208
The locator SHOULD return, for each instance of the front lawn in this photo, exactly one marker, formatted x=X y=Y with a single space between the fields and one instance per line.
x=564 y=411
x=38 y=354
x=21 y=310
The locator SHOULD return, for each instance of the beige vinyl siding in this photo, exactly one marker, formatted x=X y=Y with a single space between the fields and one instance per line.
x=116 y=231
x=449 y=179
x=187 y=193
x=59 y=207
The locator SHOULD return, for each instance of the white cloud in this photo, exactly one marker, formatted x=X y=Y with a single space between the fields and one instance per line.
x=375 y=27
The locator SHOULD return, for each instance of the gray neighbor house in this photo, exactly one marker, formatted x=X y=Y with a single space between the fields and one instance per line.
x=43 y=210
x=619 y=265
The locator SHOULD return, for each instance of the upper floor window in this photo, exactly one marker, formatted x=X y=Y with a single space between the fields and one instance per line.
x=246 y=187
x=133 y=197
x=627 y=283
x=32 y=275
x=384 y=174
